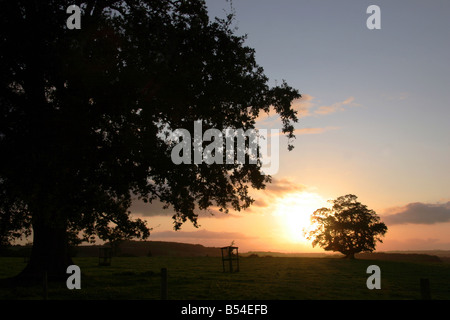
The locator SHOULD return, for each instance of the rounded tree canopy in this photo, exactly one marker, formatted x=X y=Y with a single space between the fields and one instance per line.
x=347 y=226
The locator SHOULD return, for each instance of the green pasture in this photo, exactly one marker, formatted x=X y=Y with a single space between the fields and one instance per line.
x=259 y=278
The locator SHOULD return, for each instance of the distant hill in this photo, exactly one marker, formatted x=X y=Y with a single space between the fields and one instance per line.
x=397 y=256
x=129 y=249
x=153 y=248
x=389 y=256
x=178 y=249
x=444 y=255
x=439 y=253
x=288 y=255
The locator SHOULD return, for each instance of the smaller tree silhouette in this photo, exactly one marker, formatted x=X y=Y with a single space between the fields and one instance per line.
x=348 y=227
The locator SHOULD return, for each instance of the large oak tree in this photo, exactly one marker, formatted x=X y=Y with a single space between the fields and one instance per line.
x=83 y=112
x=348 y=227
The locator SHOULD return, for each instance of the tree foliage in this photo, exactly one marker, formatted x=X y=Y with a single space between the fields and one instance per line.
x=348 y=227
x=82 y=113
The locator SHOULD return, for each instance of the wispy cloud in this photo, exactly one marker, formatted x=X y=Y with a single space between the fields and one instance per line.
x=278 y=188
x=263 y=197
x=416 y=243
x=303 y=105
x=335 y=107
x=314 y=130
x=200 y=234
x=281 y=186
x=149 y=209
x=306 y=106
x=418 y=213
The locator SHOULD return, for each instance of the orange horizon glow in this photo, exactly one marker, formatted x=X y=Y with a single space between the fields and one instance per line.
x=293 y=213
x=275 y=223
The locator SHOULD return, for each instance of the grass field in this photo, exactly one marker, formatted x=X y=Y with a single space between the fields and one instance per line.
x=259 y=278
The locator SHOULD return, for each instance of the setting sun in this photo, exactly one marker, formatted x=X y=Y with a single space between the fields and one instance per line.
x=293 y=214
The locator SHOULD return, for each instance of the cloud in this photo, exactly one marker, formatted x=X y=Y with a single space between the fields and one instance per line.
x=335 y=107
x=307 y=106
x=200 y=234
x=263 y=199
x=149 y=209
x=303 y=105
x=418 y=213
x=156 y=209
x=281 y=186
x=304 y=131
x=412 y=244
x=276 y=189
x=314 y=130
x=260 y=203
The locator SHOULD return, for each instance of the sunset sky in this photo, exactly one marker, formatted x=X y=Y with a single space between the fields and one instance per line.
x=374 y=122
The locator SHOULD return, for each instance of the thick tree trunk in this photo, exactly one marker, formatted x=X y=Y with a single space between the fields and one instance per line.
x=350 y=256
x=49 y=255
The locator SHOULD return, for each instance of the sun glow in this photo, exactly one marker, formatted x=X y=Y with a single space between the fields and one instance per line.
x=293 y=213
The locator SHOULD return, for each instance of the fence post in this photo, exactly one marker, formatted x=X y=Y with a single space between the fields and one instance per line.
x=45 y=286
x=425 y=291
x=163 y=283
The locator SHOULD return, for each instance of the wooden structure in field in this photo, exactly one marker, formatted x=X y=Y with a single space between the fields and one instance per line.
x=104 y=256
x=230 y=259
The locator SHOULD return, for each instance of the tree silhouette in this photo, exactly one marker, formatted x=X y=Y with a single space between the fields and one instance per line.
x=347 y=227
x=83 y=112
